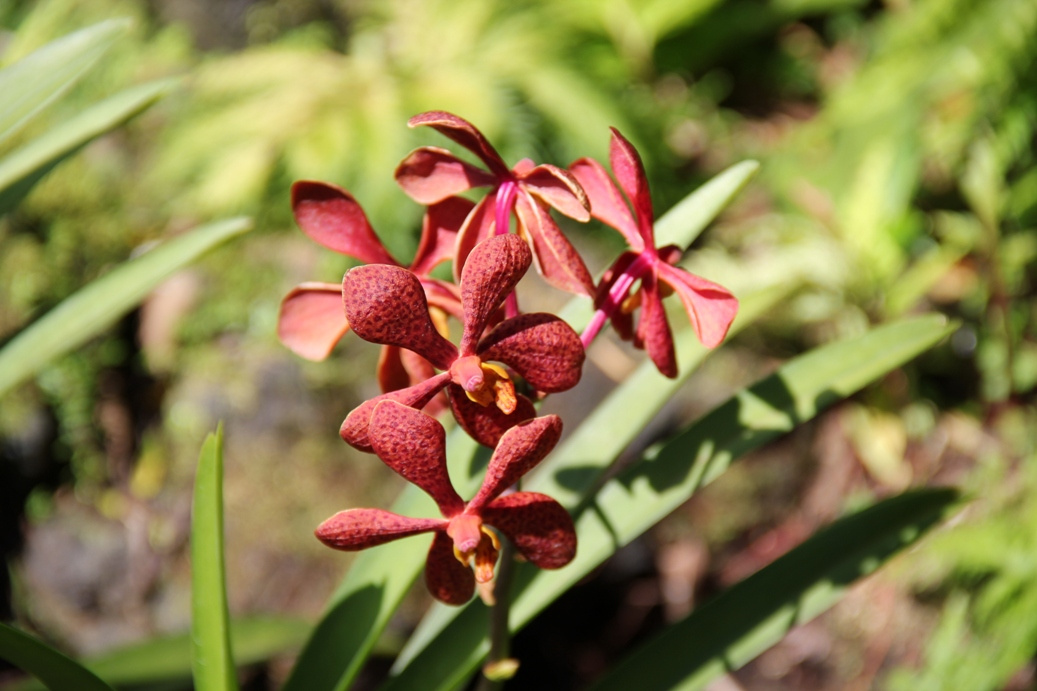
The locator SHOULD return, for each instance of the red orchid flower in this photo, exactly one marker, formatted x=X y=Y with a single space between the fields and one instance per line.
x=414 y=445
x=710 y=307
x=311 y=320
x=386 y=305
x=430 y=174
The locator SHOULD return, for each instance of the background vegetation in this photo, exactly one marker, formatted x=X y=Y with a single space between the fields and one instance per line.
x=896 y=143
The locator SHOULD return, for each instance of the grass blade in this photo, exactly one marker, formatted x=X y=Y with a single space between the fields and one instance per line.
x=93 y=308
x=21 y=169
x=753 y=615
x=649 y=490
x=54 y=669
x=41 y=77
x=213 y=662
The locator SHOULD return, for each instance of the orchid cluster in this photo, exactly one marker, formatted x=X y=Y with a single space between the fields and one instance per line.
x=506 y=358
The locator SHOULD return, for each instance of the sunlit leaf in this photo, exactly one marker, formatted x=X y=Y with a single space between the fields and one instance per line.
x=753 y=615
x=94 y=308
x=213 y=661
x=639 y=497
x=21 y=169
x=38 y=79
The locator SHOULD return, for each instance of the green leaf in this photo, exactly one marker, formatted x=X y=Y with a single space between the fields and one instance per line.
x=213 y=663
x=168 y=658
x=21 y=169
x=54 y=669
x=38 y=79
x=93 y=308
x=753 y=615
x=649 y=490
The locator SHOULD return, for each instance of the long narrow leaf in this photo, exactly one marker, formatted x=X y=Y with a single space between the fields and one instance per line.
x=213 y=662
x=753 y=615
x=649 y=490
x=378 y=579
x=21 y=169
x=577 y=464
x=38 y=79
x=168 y=659
x=94 y=308
x=54 y=669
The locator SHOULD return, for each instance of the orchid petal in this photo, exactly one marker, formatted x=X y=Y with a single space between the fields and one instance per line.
x=311 y=320
x=356 y=427
x=358 y=529
x=387 y=305
x=710 y=308
x=447 y=579
x=414 y=445
x=443 y=295
x=429 y=175
x=486 y=424
x=392 y=375
x=541 y=347
x=539 y=527
x=332 y=217
x=477 y=227
x=654 y=330
x=630 y=173
x=558 y=189
x=556 y=259
x=607 y=203
x=439 y=233
x=519 y=450
x=465 y=134
x=492 y=270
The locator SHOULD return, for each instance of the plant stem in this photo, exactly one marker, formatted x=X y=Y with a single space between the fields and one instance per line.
x=500 y=633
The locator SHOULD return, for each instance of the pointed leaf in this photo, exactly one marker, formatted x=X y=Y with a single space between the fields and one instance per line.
x=21 y=169
x=93 y=308
x=725 y=633
x=54 y=669
x=213 y=665
x=639 y=497
x=40 y=78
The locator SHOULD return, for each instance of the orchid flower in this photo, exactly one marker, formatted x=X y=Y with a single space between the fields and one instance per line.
x=386 y=304
x=311 y=320
x=414 y=445
x=710 y=307
x=431 y=174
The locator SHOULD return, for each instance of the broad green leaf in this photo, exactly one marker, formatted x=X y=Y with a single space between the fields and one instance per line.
x=753 y=615
x=95 y=307
x=213 y=661
x=39 y=78
x=650 y=489
x=378 y=579
x=54 y=669
x=168 y=658
x=21 y=169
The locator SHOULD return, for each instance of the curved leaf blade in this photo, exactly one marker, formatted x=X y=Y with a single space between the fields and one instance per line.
x=41 y=77
x=639 y=497
x=213 y=661
x=54 y=669
x=21 y=169
x=753 y=615
x=95 y=307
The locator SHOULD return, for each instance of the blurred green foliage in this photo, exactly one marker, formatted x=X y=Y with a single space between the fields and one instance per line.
x=896 y=142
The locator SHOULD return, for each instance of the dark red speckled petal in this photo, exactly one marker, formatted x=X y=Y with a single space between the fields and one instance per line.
x=542 y=348
x=519 y=450
x=539 y=527
x=358 y=529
